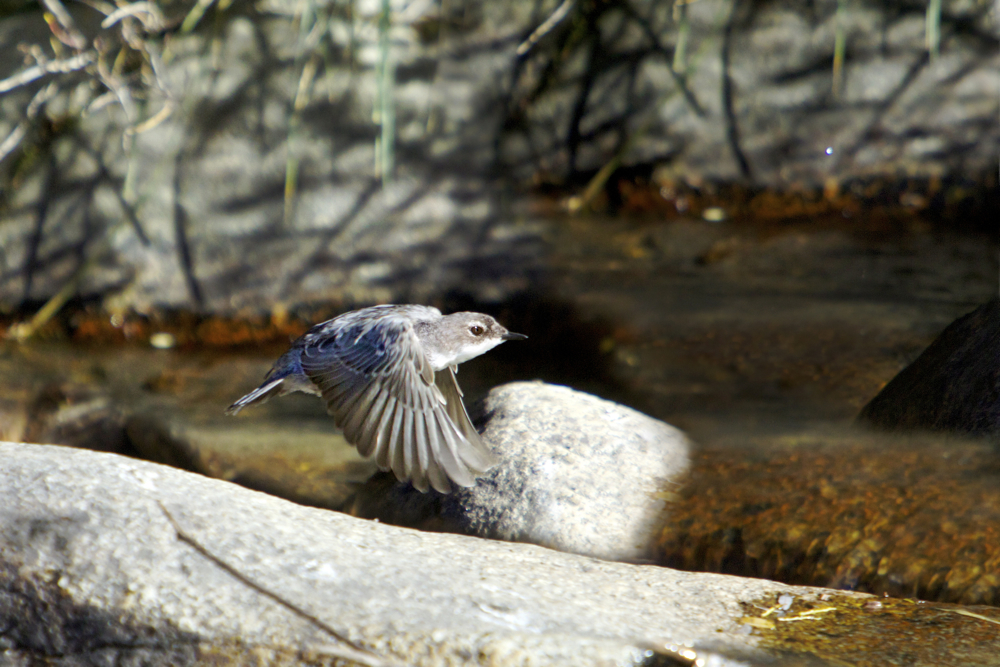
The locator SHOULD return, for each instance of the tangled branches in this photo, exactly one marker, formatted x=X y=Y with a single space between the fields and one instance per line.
x=117 y=62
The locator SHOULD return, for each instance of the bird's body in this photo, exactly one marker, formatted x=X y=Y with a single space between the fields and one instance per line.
x=387 y=375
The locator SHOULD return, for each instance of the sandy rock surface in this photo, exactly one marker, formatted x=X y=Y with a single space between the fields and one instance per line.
x=112 y=558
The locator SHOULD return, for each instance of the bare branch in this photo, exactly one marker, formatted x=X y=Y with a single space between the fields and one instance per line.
x=49 y=67
x=13 y=139
x=554 y=19
x=147 y=12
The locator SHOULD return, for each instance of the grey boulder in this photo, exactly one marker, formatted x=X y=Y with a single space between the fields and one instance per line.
x=575 y=473
x=954 y=385
x=110 y=560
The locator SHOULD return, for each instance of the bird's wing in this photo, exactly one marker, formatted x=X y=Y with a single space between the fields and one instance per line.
x=476 y=456
x=381 y=390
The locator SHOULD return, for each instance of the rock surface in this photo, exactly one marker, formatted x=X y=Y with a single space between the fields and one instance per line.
x=248 y=177
x=574 y=473
x=954 y=385
x=104 y=558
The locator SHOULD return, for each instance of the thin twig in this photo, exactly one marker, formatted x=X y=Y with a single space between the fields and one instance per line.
x=21 y=130
x=385 y=143
x=70 y=36
x=156 y=64
x=596 y=184
x=111 y=81
x=153 y=120
x=839 y=47
x=147 y=12
x=732 y=126
x=23 y=331
x=555 y=18
x=13 y=139
x=180 y=233
x=352 y=651
x=194 y=16
x=680 y=78
x=50 y=67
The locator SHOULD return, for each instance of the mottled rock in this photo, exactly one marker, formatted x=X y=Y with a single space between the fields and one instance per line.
x=574 y=472
x=109 y=559
x=249 y=174
x=954 y=385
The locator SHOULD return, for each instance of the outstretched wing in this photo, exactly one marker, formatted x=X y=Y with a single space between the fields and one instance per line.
x=381 y=390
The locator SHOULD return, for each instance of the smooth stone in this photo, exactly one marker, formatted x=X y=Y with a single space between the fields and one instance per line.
x=574 y=472
x=952 y=386
x=106 y=559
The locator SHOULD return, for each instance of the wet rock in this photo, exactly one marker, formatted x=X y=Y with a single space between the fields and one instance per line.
x=574 y=473
x=89 y=417
x=110 y=558
x=954 y=385
x=76 y=415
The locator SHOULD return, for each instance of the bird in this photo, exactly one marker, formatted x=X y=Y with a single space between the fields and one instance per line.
x=387 y=376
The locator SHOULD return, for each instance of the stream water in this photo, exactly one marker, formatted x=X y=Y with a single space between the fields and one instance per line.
x=756 y=339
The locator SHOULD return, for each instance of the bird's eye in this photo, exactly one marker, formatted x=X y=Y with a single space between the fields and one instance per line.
x=477 y=330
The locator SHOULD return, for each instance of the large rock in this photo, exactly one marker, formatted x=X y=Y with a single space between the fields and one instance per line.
x=574 y=473
x=111 y=560
x=954 y=385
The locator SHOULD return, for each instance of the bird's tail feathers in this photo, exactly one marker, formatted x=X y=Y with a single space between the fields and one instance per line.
x=258 y=395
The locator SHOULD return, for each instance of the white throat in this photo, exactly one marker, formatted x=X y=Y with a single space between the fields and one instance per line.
x=441 y=359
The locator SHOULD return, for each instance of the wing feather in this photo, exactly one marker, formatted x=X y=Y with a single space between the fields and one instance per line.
x=383 y=439
x=448 y=456
x=369 y=430
x=380 y=388
x=359 y=413
x=420 y=439
x=397 y=462
x=473 y=454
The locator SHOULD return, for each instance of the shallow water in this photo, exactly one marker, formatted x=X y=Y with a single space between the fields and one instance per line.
x=760 y=341
x=771 y=326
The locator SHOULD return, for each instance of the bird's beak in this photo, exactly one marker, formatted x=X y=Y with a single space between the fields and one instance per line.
x=510 y=335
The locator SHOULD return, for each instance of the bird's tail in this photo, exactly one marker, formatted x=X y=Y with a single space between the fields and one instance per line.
x=259 y=395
